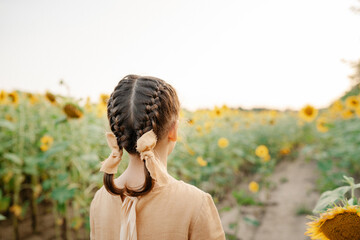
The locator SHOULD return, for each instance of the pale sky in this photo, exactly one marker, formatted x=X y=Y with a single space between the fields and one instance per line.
x=248 y=53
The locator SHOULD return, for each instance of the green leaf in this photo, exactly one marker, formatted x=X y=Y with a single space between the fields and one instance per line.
x=7 y=124
x=330 y=197
x=62 y=194
x=251 y=221
x=13 y=158
x=2 y=217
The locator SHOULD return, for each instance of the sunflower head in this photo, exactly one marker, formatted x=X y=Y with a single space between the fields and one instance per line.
x=347 y=114
x=72 y=111
x=32 y=98
x=223 y=142
x=51 y=97
x=104 y=99
x=3 y=96
x=337 y=106
x=352 y=102
x=285 y=151
x=253 y=187
x=201 y=161
x=262 y=151
x=308 y=113
x=341 y=223
x=14 y=97
x=321 y=125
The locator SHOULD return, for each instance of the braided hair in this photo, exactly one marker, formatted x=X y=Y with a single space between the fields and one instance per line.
x=137 y=105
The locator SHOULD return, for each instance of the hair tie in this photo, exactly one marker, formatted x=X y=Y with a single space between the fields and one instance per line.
x=145 y=145
x=110 y=165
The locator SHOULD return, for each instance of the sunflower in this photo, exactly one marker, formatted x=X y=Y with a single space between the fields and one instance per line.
x=100 y=110
x=308 y=113
x=341 y=223
x=352 y=102
x=201 y=161
x=262 y=151
x=208 y=126
x=285 y=151
x=51 y=97
x=46 y=142
x=253 y=187
x=3 y=96
x=337 y=106
x=223 y=142
x=347 y=114
x=32 y=98
x=16 y=209
x=14 y=97
x=72 y=111
x=321 y=125
x=104 y=98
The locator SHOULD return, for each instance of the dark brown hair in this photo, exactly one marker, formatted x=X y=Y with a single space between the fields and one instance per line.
x=137 y=105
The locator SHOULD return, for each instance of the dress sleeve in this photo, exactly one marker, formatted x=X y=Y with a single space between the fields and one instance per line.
x=207 y=225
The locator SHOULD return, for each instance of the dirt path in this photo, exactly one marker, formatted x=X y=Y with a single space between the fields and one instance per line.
x=284 y=216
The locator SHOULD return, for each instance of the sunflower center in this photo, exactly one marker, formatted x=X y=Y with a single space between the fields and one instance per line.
x=309 y=111
x=343 y=226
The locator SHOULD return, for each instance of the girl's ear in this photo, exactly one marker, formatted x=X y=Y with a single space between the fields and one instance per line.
x=172 y=136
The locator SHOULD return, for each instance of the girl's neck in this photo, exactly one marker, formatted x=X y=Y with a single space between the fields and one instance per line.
x=134 y=177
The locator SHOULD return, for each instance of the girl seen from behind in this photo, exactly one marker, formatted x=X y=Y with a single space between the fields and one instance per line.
x=145 y=202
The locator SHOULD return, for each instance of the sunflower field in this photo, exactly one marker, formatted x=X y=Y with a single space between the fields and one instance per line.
x=51 y=149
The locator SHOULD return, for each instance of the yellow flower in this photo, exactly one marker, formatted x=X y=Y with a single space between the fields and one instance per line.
x=32 y=98
x=208 y=126
x=199 y=129
x=14 y=97
x=337 y=106
x=336 y=223
x=253 y=187
x=201 y=161
x=189 y=150
x=190 y=121
x=266 y=158
x=3 y=96
x=72 y=111
x=37 y=190
x=100 y=110
x=51 y=97
x=223 y=142
x=88 y=106
x=308 y=113
x=262 y=151
x=9 y=118
x=104 y=98
x=321 y=125
x=352 y=102
x=358 y=112
x=347 y=114
x=16 y=209
x=46 y=142
x=285 y=151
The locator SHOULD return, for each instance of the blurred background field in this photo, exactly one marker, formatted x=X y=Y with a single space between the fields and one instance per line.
x=52 y=145
x=270 y=101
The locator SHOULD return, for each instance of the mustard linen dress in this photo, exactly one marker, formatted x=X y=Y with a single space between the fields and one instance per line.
x=175 y=211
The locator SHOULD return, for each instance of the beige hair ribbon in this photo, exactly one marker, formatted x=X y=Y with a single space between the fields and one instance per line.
x=110 y=165
x=145 y=145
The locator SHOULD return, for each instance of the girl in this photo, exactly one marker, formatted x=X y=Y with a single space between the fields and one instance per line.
x=145 y=202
